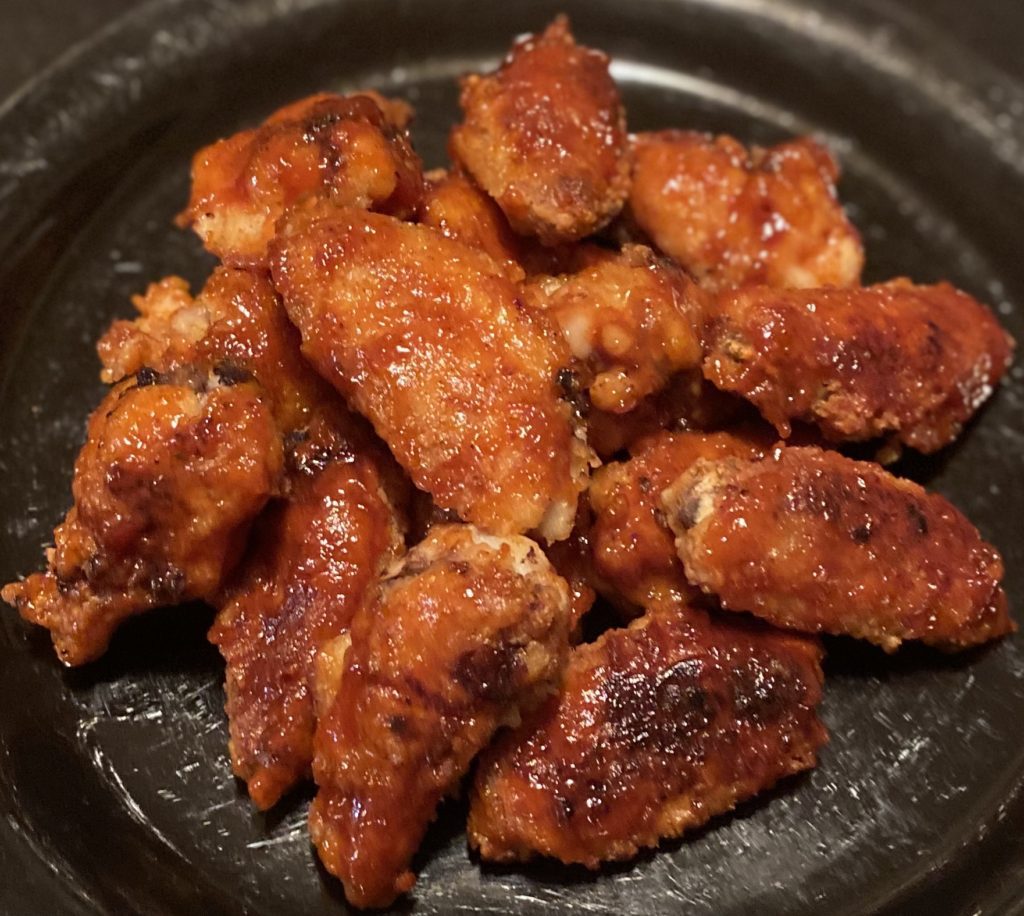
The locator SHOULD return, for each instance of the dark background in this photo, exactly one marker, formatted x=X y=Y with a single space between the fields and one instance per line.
x=35 y=32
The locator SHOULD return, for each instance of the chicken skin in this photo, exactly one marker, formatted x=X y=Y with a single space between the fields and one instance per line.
x=545 y=136
x=315 y=559
x=810 y=540
x=658 y=728
x=352 y=150
x=630 y=318
x=172 y=473
x=912 y=361
x=454 y=206
x=733 y=217
x=236 y=324
x=463 y=634
x=634 y=551
x=428 y=339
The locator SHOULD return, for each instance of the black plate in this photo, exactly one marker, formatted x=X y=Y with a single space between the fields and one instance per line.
x=115 y=789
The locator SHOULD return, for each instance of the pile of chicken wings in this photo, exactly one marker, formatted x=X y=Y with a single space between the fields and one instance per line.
x=416 y=424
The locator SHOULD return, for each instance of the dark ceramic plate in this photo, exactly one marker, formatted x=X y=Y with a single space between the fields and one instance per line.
x=115 y=791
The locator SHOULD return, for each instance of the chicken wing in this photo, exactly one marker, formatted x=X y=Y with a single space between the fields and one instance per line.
x=429 y=340
x=915 y=361
x=811 y=540
x=545 y=136
x=733 y=217
x=658 y=728
x=171 y=475
x=235 y=325
x=634 y=551
x=632 y=319
x=315 y=559
x=464 y=633
x=351 y=149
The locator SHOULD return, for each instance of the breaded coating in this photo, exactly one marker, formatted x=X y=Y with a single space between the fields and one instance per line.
x=634 y=552
x=428 y=339
x=912 y=361
x=632 y=319
x=545 y=136
x=464 y=633
x=171 y=475
x=734 y=217
x=686 y=402
x=658 y=728
x=454 y=206
x=810 y=540
x=235 y=325
x=571 y=559
x=314 y=560
x=352 y=150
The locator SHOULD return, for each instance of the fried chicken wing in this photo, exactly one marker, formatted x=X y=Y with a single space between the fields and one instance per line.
x=686 y=402
x=658 y=728
x=235 y=325
x=454 y=206
x=733 y=217
x=813 y=541
x=315 y=559
x=634 y=551
x=468 y=630
x=632 y=319
x=914 y=361
x=170 y=477
x=545 y=136
x=352 y=150
x=429 y=340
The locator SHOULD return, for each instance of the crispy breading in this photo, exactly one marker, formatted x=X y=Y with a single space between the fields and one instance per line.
x=170 y=477
x=314 y=561
x=352 y=150
x=631 y=318
x=464 y=633
x=658 y=728
x=912 y=361
x=428 y=339
x=545 y=136
x=814 y=541
x=733 y=217
x=634 y=551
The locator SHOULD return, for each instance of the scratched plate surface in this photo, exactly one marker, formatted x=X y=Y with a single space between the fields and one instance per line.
x=115 y=792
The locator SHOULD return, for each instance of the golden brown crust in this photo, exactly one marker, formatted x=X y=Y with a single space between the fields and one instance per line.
x=810 y=540
x=634 y=551
x=915 y=361
x=314 y=560
x=659 y=727
x=429 y=340
x=345 y=148
x=733 y=217
x=235 y=325
x=165 y=487
x=632 y=319
x=545 y=136
x=466 y=631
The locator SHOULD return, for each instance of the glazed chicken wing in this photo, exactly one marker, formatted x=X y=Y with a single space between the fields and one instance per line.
x=658 y=728
x=315 y=558
x=235 y=325
x=468 y=630
x=171 y=475
x=352 y=150
x=634 y=551
x=811 y=540
x=733 y=217
x=545 y=136
x=631 y=319
x=429 y=340
x=913 y=361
